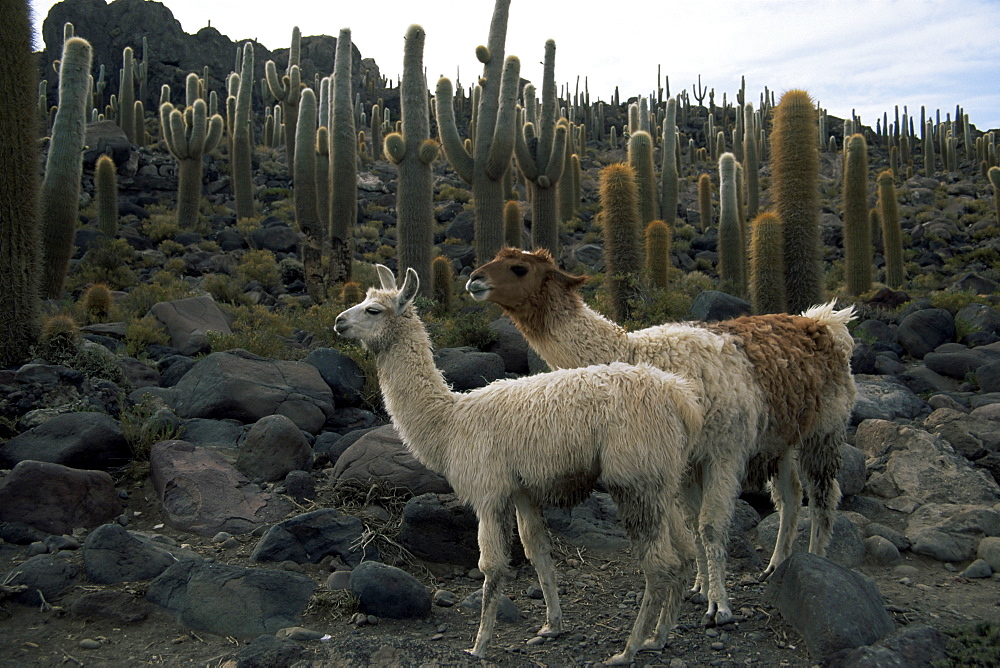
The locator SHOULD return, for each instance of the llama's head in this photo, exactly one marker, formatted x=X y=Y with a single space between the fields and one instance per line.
x=516 y=278
x=378 y=321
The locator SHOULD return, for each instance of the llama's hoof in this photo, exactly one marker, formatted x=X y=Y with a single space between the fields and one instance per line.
x=652 y=645
x=766 y=574
x=623 y=659
x=695 y=596
x=472 y=652
x=550 y=631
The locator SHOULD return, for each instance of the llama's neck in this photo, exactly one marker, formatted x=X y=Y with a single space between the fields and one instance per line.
x=415 y=393
x=567 y=333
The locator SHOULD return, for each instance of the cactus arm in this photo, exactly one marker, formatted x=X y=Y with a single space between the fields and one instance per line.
x=525 y=160
x=557 y=161
x=454 y=146
x=502 y=146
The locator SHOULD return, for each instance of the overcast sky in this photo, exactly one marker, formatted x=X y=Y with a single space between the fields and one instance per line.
x=866 y=55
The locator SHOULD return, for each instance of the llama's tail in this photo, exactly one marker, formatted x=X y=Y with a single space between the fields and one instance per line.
x=836 y=321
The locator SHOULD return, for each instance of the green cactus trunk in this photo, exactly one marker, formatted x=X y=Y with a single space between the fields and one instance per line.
x=993 y=174
x=658 y=253
x=668 y=158
x=126 y=96
x=322 y=150
x=767 y=264
x=413 y=151
x=288 y=91
x=751 y=166
x=620 y=219
x=242 y=160
x=892 y=235
x=513 y=224
x=19 y=314
x=60 y=198
x=343 y=164
x=442 y=282
x=705 y=201
x=106 y=194
x=732 y=249
x=306 y=212
x=640 y=156
x=795 y=193
x=857 y=226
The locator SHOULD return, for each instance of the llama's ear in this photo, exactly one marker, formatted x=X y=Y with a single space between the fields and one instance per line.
x=386 y=277
x=409 y=290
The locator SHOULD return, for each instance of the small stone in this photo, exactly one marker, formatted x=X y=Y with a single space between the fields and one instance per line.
x=534 y=591
x=475 y=574
x=339 y=580
x=36 y=548
x=978 y=569
x=230 y=544
x=537 y=640
x=298 y=633
x=717 y=646
x=437 y=636
x=359 y=619
x=373 y=620
x=443 y=598
x=711 y=633
x=89 y=643
x=221 y=537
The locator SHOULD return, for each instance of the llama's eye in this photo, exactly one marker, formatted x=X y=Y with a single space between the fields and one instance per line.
x=519 y=270
x=374 y=310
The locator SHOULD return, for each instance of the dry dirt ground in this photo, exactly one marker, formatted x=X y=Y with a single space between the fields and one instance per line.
x=599 y=606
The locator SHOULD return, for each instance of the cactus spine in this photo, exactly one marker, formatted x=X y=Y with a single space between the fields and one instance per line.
x=732 y=253
x=189 y=135
x=19 y=320
x=668 y=156
x=106 y=194
x=767 y=264
x=288 y=91
x=495 y=119
x=242 y=136
x=892 y=235
x=343 y=163
x=306 y=211
x=126 y=96
x=640 y=156
x=541 y=156
x=658 y=253
x=620 y=218
x=795 y=192
x=413 y=151
x=857 y=226
x=60 y=198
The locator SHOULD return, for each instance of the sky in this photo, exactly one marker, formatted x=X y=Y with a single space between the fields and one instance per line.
x=863 y=55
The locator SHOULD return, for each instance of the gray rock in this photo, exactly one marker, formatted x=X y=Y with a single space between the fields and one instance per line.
x=341 y=373
x=380 y=455
x=277 y=239
x=970 y=436
x=47 y=576
x=56 y=498
x=957 y=364
x=117 y=607
x=951 y=532
x=846 y=547
x=834 y=608
x=922 y=380
x=863 y=359
x=898 y=540
x=207 y=433
x=884 y=399
x=468 y=368
x=138 y=373
x=852 y=474
x=111 y=554
x=245 y=387
x=269 y=651
x=880 y=551
x=989 y=551
x=977 y=569
x=308 y=538
x=875 y=330
x=301 y=486
x=518 y=356
x=173 y=368
x=189 y=320
x=979 y=317
x=440 y=529
x=988 y=377
x=712 y=306
x=923 y=331
x=592 y=524
x=462 y=226
x=913 y=646
x=79 y=440
x=202 y=493
x=204 y=597
x=273 y=447
x=386 y=591
x=591 y=255
x=506 y=610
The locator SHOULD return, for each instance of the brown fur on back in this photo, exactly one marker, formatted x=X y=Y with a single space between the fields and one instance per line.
x=793 y=359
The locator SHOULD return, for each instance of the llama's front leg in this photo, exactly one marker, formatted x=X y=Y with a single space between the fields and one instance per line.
x=494 y=556
x=713 y=531
x=691 y=497
x=786 y=493
x=538 y=548
x=681 y=546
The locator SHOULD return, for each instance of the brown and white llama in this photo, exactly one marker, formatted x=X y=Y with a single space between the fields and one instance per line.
x=776 y=388
x=517 y=444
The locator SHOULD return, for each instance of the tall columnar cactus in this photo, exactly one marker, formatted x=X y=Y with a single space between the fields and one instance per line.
x=928 y=149
x=106 y=195
x=892 y=235
x=620 y=220
x=767 y=264
x=288 y=90
x=126 y=96
x=994 y=176
x=343 y=163
x=483 y=165
x=541 y=156
x=513 y=224
x=857 y=226
x=640 y=156
x=658 y=253
x=306 y=212
x=323 y=179
x=442 y=283
x=60 y=198
x=242 y=138
x=189 y=135
x=413 y=151
x=795 y=193
x=668 y=158
x=705 y=201
x=751 y=167
x=18 y=187
x=732 y=249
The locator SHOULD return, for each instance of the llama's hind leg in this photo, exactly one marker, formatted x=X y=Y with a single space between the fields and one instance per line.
x=494 y=556
x=786 y=494
x=722 y=486
x=674 y=578
x=820 y=465
x=691 y=497
x=538 y=548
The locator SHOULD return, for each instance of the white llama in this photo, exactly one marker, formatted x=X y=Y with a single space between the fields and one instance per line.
x=517 y=444
x=775 y=387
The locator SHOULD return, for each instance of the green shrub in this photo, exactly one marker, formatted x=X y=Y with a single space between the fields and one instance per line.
x=143 y=332
x=223 y=288
x=109 y=262
x=159 y=227
x=978 y=645
x=260 y=266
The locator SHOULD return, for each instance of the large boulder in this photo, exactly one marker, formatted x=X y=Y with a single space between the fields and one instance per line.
x=273 y=448
x=56 y=498
x=188 y=321
x=84 y=440
x=381 y=455
x=922 y=331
